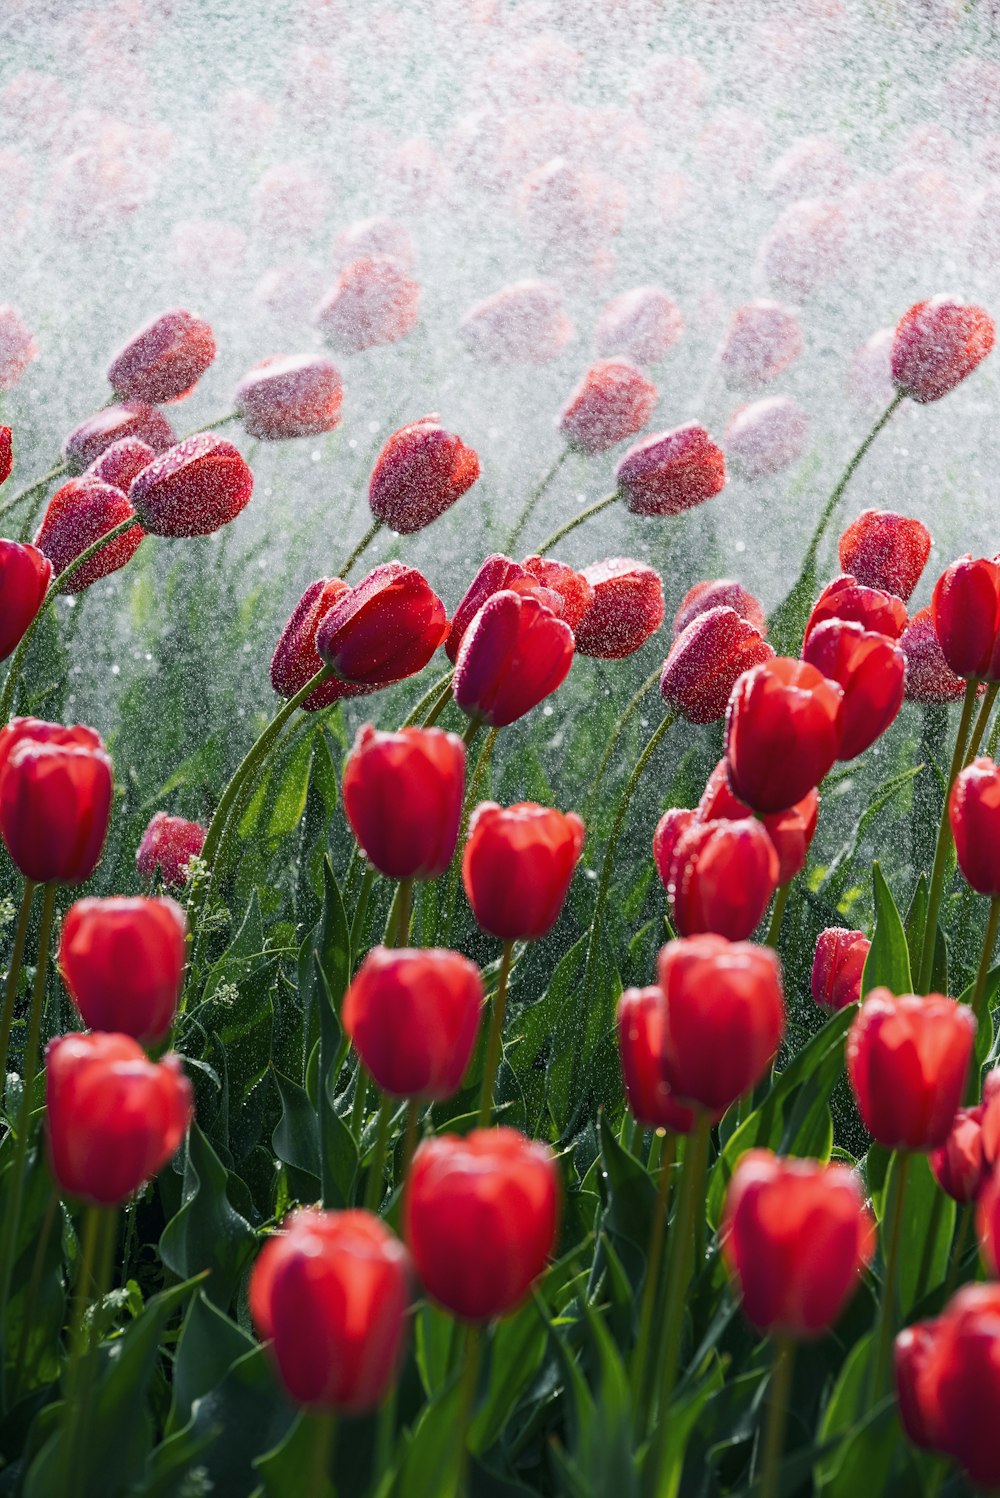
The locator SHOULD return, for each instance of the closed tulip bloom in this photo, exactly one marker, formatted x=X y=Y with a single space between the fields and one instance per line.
x=496 y=573
x=517 y=865
x=722 y=876
x=296 y=659
x=875 y=610
x=331 y=1294
x=627 y=608
x=911 y=1354
x=907 y=1061
x=965 y=608
x=122 y=960
x=721 y=592
x=766 y=436
x=373 y=302
x=641 y=1023
x=480 y=1215
x=929 y=678
x=724 y=1020
x=706 y=660
x=573 y=590
x=838 y=966
x=120 y=463
x=113 y=1118
x=6 y=453
x=383 y=630
x=164 y=360
x=514 y=654
x=937 y=343
x=523 y=323
x=293 y=395
x=403 y=798
x=762 y=340
x=671 y=472
x=669 y=830
x=167 y=847
x=420 y=472
x=641 y=324
x=872 y=672
x=960 y=1166
x=884 y=550
x=132 y=419
x=78 y=514
x=791 y=831
x=974 y=809
x=614 y=400
x=412 y=1016
x=783 y=731
x=25 y=575
x=193 y=489
x=55 y=799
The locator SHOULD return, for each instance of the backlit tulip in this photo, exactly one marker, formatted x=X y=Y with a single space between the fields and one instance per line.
x=413 y=1016
x=496 y=573
x=167 y=847
x=523 y=323
x=574 y=592
x=515 y=653
x=480 y=1215
x=884 y=550
x=838 y=965
x=77 y=515
x=627 y=607
x=870 y=669
x=671 y=472
x=296 y=659
x=122 y=960
x=25 y=575
x=17 y=347
x=907 y=1061
x=974 y=809
x=121 y=462
x=403 y=798
x=6 y=453
x=113 y=1118
x=724 y=1019
x=762 y=340
x=374 y=302
x=937 y=343
x=420 y=472
x=960 y=1167
x=766 y=436
x=55 y=799
x=722 y=592
x=641 y=1021
x=383 y=630
x=133 y=419
x=294 y=395
x=875 y=610
x=791 y=831
x=517 y=865
x=796 y=1236
x=330 y=1292
x=869 y=381
x=722 y=876
x=965 y=608
x=929 y=678
x=668 y=832
x=783 y=730
x=640 y=325
x=193 y=489
x=805 y=248
x=706 y=660
x=164 y=359
x=614 y=400
x=377 y=236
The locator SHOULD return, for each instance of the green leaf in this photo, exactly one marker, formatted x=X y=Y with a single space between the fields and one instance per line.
x=787 y=624
x=296 y=1136
x=926 y=1234
x=862 y=1442
x=245 y=1415
x=208 y=1345
x=516 y=1350
x=207 y=1232
x=288 y=1469
x=888 y=961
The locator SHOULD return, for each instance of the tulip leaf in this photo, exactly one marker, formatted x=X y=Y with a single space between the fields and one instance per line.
x=207 y=1232
x=862 y=1442
x=243 y=1415
x=888 y=962
x=515 y=1353
x=787 y=624
x=916 y=919
x=296 y=1138
x=925 y=1236
x=628 y=1194
x=208 y=1345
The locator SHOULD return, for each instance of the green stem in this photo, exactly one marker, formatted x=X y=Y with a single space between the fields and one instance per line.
x=360 y=1105
x=472 y=791
x=571 y=525
x=13 y=974
x=361 y=909
x=943 y=845
x=845 y=478
x=385 y=1434
x=654 y=1258
x=99 y=1235
x=966 y=1214
x=982 y=722
x=361 y=548
x=780 y=901
x=404 y=911
x=376 y=1177
x=495 y=1038
x=892 y=1229
x=929 y=1245
x=434 y=700
x=324 y=1430
x=410 y=1136
x=631 y=707
x=471 y=1357
x=34 y=1284
x=26 y=493
x=210 y=426
x=777 y=1418
x=534 y=497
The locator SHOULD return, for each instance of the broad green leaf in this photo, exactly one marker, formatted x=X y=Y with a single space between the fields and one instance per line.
x=207 y=1232
x=208 y=1345
x=925 y=1234
x=888 y=961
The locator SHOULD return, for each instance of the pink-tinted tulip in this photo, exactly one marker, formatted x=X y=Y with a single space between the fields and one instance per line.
x=929 y=678
x=78 y=514
x=669 y=829
x=965 y=607
x=132 y=419
x=641 y=325
x=641 y=1025
x=517 y=865
x=627 y=607
x=937 y=344
x=523 y=323
x=515 y=653
x=762 y=340
x=164 y=360
x=884 y=550
x=374 y=302
x=907 y=1061
x=120 y=463
x=791 y=831
x=869 y=382
x=706 y=660
x=294 y=395
x=122 y=960
x=25 y=574
x=383 y=630
x=805 y=248
x=974 y=810
x=55 y=799
x=671 y=472
x=960 y=1166
x=167 y=847
x=403 y=798
x=838 y=966
x=383 y=238
x=812 y=166
x=17 y=347
x=193 y=489
x=722 y=592
x=6 y=453
x=721 y=878
x=296 y=659
x=871 y=670
x=845 y=598
x=766 y=436
x=783 y=732
x=420 y=472
x=613 y=401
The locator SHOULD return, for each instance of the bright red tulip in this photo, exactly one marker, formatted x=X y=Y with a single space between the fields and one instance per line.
x=55 y=799
x=113 y=1118
x=296 y=659
x=641 y=1025
x=766 y=436
x=907 y=1061
x=293 y=395
x=872 y=671
x=383 y=630
x=762 y=340
x=669 y=829
x=480 y=1215
x=403 y=798
x=193 y=489
x=965 y=607
x=517 y=865
x=641 y=325
x=373 y=302
x=164 y=360
x=911 y=1354
x=120 y=463
x=495 y=574
x=515 y=653
x=122 y=960
x=133 y=419
x=613 y=401
x=937 y=343
x=974 y=810
x=420 y=472
x=574 y=592
x=783 y=731
x=78 y=514
x=331 y=1293
x=790 y=831
x=960 y=1167
x=884 y=550
x=929 y=678
x=671 y=472
x=627 y=608
x=846 y=598
x=838 y=965
x=722 y=592
x=167 y=847
x=706 y=660
x=6 y=453
x=25 y=574
x=721 y=878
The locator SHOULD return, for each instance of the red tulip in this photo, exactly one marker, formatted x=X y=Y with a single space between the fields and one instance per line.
x=25 y=575
x=845 y=598
x=721 y=877
x=790 y=831
x=671 y=472
x=929 y=678
x=724 y=1020
x=133 y=419
x=413 y=1016
x=515 y=653
x=960 y=1167
x=806 y=246
x=113 y=1118
x=495 y=574
x=293 y=395
x=884 y=550
x=373 y=302
x=641 y=1025
x=120 y=463
x=783 y=731
x=403 y=798
x=706 y=660
x=614 y=400
x=668 y=832
x=78 y=514
x=55 y=799
x=796 y=1237
x=871 y=670
x=517 y=865
x=480 y=1215
x=838 y=965
x=722 y=592
x=420 y=472
x=17 y=347
x=383 y=630
x=965 y=607
x=331 y=1293
x=122 y=960
x=627 y=608
x=907 y=1060
x=762 y=340
x=766 y=436
x=164 y=360
x=168 y=845
x=296 y=659
x=6 y=453
x=641 y=324
x=193 y=489
x=574 y=592
x=974 y=810
x=523 y=323
x=937 y=343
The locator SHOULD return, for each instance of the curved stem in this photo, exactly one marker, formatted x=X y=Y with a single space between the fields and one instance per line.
x=625 y=718
x=571 y=525
x=361 y=548
x=777 y=914
x=534 y=497
x=13 y=974
x=376 y=1178
x=982 y=720
x=434 y=700
x=845 y=478
x=210 y=426
x=494 y=1040
x=777 y=1418
x=892 y=1226
x=654 y=1258
x=943 y=845
x=22 y=494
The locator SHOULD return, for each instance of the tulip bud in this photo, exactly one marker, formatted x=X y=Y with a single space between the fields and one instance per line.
x=845 y=598
x=515 y=653
x=937 y=343
x=706 y=660
x=766 y=436
x=911 y=1355
x=383 y=630
x=960 y=1167
x=113 y=1118
x=929 y=679
x=574 y=591
x=296 y=659
x=805 y=248
x=838 y=966
x=790 y=831
x=6 y=453
x=496 y=573
x=168 y=846
x=374 y=236
x=132 y=419
x=721 y=877
x=783 y=731
x=517 y=865
x=193 y=489
x=122 y=961
x=872 y=672
x=669 y=830
x=120 y=463
x=974 y=810
x=762 y=340
x=295 y=395
x=480 y=1215
x=55 y=799
x=78 y=514
x=373 y=302
x=869 y=378
x=671 y=472
x=614 y=400
x=722 y=592
x=907 y=1061
x=164 y=360
x=403 y=798
x=420 y=472
x=17 y=347
x=523 y=323
x=627 y=608
x=413 y=1016
x=965 y=608
x=884 y=550
x=641 y=325
x=641 y=1024
x=25 y=575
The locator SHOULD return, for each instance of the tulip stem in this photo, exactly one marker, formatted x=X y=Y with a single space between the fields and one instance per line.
x=534 y=497
x=361 y=548
x=892 y=1226
x=845 y=478
x=376 y=1177
x=324 y=1430
x=404 y=911
x=777 y=914
x=13 y=974
x=966 y=1214
x=360 y=1105
x=654 y=1259
x=571 y=525
x=409 y=1136
x=210 y=426
x=982 y=720
x=435 y=700
x=99 y=1237
x=469 y=1379
x=777 y=1418
x=632 y=705
x=472 y=791
x=494 y=1041
x=22 y=494
x=943 y=845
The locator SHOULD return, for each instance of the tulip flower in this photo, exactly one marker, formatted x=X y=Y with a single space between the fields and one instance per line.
x=132 y=419
x=965 y=608
x=783 y=731
x=668 y=832
x=378 y=236
x=641 y=1026
x=78 y=514
x=960 y=1166
x=6 y=453
x=845 y=598
x=790 y=831
x=294 y=395
x=766 y=436
x=870 y=669
x=296 y=659
x=574 y=592
x=167 y=847
x=55 y=799
x=523 y=323
x=721 y=878
x=762 y=340
x=722 y=592
x=25 y=574
x=113 y=1118
x=420 y=472
x=120 y=463
x=974 y=809
x=937 y=344
x=373 y=302
x=640 y=325
x=495 y=574
x=384 y=629
x=122 y=960
x=838 y=965
x=806 y=247
x=193 y=489
x=929 y=678
x=627 y=608
x=480 y=1215
x=17 y=347
x=613 y=401
x=164 y=360
x=671 y=472
x=884 y=550
x=907 y=1061
x=513 y=655
x=403 y=798
x=517 y=865
x=706 y=660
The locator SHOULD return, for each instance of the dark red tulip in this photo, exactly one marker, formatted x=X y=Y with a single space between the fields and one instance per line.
x=765 y=436
x=78 y=514
x=671 y=472
x=627 y=608
x=574 y=590
x=331 y=1293
x=164 y=360
x=6 y=453
x=706 y=660
x=193 y=489
x=974 y=810
x=296 y=659
x=641 y=1025
x=907 y=1060
x=413 y=1015
x=25 y=574
x=846 y=598
x=796 y=1237
x=790 y=831
x=721 y=878
x=480 y=1215
x=517 y=865
x=884 y=550
x=55 y=799
x=965 y=607
x=911 y=1356
x=113 y=1118
x=373 y=302
x=937 y=343
x=722 y=592
x=669 y=830
x=762 y=340
x=290 y=395
x=403 y=798
x=725 y=1018
x=133 y=419
x=120 y=463
x=383 y=630
x=122 y=960
x=514 y=654
x=872 y=671
x=838 y=965
x=167 y=847
x=783 y=731
x=496 y=574
x=929 y=678
x=960 y=1166
x=613 y=401
x=420 y=472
